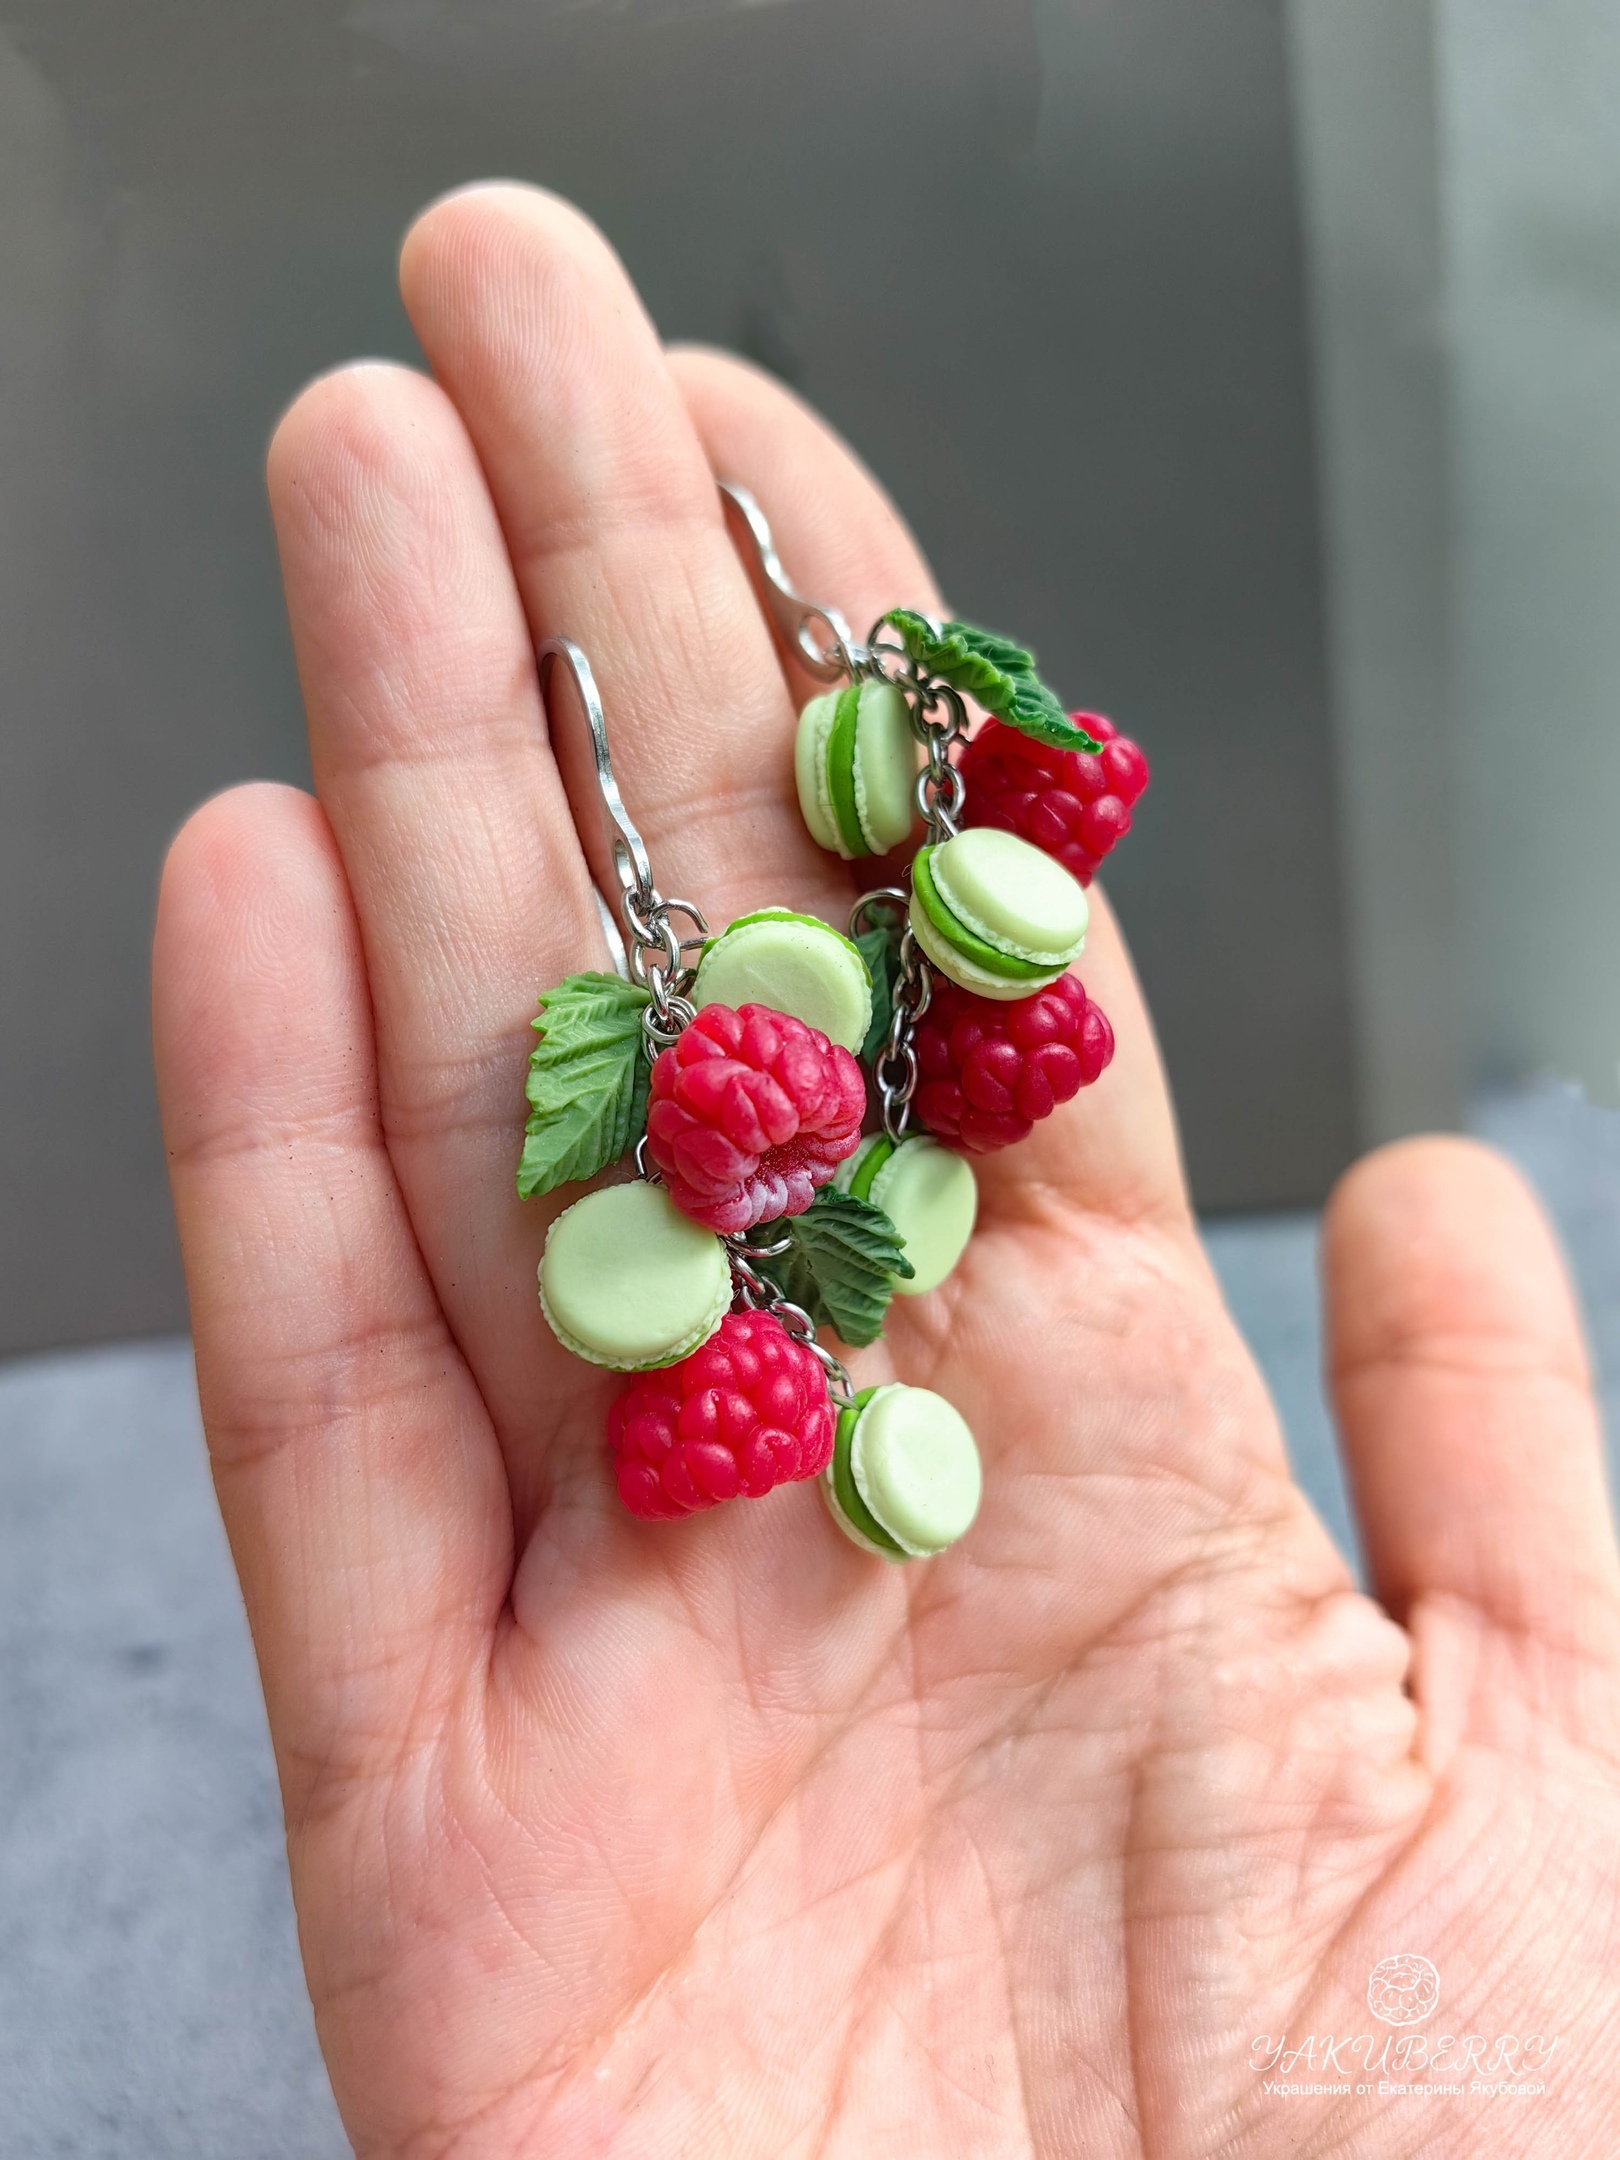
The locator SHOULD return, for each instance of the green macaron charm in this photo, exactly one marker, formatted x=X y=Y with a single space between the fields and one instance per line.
x=628 y=1281
x=855 y=761
x=927 y=1191
x=795 y=964
x=904 y=1481
x=995 y=914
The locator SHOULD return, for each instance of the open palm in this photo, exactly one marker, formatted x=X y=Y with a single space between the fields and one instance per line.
x=723 y=1838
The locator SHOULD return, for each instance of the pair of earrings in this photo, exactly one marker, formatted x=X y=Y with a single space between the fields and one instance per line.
x=730 y=1066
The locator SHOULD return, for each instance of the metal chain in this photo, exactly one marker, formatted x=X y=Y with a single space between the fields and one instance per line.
x=895 y=1071
x=657 y=961
x=940 y=788
x=940 y=798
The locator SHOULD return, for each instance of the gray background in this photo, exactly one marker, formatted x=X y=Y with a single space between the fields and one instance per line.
x=1042 y=264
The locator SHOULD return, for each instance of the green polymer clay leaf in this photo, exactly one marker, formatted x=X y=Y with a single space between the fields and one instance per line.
x=879 y=947
x=993 y=670
x=842 y=1266
x=587 y=1084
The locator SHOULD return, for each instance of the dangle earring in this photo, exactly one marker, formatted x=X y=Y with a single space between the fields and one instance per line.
x=979 y=1030
x=737 y=1113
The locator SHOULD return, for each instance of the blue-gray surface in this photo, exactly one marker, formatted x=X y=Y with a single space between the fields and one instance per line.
x=151 y=2006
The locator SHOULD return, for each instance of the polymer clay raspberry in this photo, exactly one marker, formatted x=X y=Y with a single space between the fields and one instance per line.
x=750 y=1411
x=750 y=1112
x=1074 y=805
x=991 y=1069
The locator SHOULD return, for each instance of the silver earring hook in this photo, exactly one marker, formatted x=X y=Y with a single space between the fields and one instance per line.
x=654 y=955
x=793 y=618
x=631 y=864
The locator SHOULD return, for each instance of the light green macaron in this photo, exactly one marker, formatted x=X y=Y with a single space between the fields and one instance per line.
x=794 y=964
x=904 y=1480
x=855 y=760
x=626 y=1280
x=928 y=1193
x=996 y=915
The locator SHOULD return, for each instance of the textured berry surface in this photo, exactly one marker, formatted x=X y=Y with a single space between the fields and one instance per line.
x=750 y=1112
x=747 y=1412
x=991 y=1069
x=1073 y=804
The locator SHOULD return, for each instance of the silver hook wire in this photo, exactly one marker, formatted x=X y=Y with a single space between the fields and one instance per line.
x=631 y=863
x=793 y=618
x=653 y=956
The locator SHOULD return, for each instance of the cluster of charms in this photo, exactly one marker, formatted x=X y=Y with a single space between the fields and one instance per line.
x=801 y=1104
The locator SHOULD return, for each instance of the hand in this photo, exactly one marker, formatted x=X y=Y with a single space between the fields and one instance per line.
x=722 y=1838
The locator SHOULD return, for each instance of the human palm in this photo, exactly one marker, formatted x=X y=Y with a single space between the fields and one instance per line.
x=724 y=1838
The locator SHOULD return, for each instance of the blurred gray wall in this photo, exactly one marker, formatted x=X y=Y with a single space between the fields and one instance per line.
x=1530 y=112
x=1042 y=264
x=1365 y=96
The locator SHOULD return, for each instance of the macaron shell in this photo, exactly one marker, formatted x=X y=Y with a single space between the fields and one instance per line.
x=795 y=965
x=885 y=772
x=627 y=1281
x=931 y=1196
x=916 y=1466
x=1012 y=895
x=964 y=972
x=848 y=1176
x=810 y=769
x=852 y=1530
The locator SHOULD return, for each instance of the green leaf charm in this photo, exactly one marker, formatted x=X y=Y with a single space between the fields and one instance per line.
x=879 y=947
x=587 y=1085
x=844 y=1261
x=995 y=671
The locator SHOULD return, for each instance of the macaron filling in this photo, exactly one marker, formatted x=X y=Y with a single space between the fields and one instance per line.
x=949 y=928
x=795 y=964
x=1012 y=895
x=627 y=1281
x=840 y=769
x=865 y=1164
x=855 y=764
x=850 y=1511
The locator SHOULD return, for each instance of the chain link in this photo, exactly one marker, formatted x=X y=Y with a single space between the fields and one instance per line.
x=940 y=798
x=895 y=1070
x=658 y=963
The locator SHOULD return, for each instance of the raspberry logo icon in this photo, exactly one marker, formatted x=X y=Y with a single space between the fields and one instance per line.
x=1403 y=1990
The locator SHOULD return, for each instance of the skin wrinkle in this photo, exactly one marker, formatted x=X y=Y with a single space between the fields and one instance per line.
x=996 y=1739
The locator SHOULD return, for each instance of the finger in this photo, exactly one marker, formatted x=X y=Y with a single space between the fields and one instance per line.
x=842 y=541
x=430 y=758
x=359 y=1481
x=615 y=529
x=1461 y=1386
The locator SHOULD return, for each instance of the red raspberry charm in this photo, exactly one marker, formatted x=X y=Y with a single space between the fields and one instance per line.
x=1072 y=804
x=751 y=1111
x=747 y=1412
x=990 y=1069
